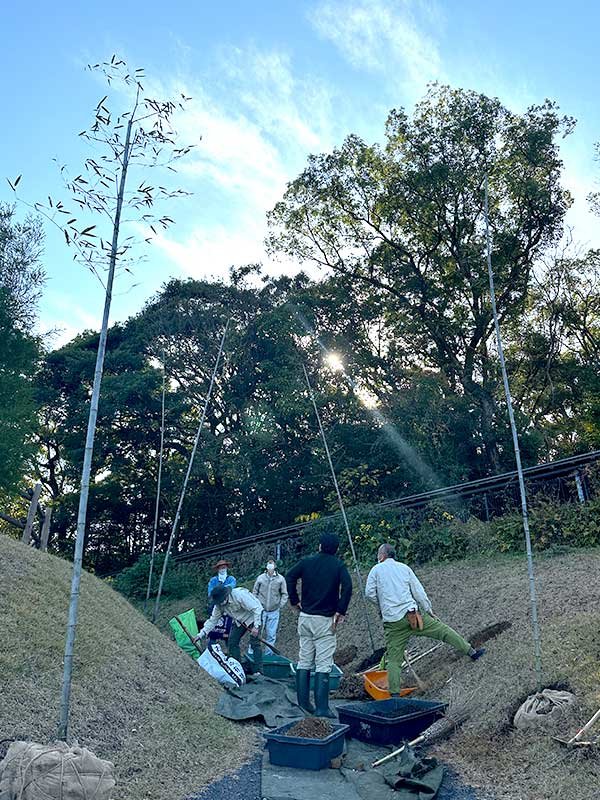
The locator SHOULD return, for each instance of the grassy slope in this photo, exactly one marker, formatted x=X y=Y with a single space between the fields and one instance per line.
x=137 y=699
x=470 y=596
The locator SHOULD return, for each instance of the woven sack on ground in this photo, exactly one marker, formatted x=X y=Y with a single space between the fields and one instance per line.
x=54 y=772
x=542 y=708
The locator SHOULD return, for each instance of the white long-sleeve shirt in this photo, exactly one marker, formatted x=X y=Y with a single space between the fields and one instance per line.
x=395 y=588
x=242 y=607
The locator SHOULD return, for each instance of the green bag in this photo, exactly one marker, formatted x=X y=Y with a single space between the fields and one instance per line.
x=189 y=620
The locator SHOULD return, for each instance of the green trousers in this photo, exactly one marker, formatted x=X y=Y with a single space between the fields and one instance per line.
x=233 y=646
x=397 y=635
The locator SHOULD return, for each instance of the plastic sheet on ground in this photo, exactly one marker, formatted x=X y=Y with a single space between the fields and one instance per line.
x=356 y=780
x=266 y=698
x=408 y=777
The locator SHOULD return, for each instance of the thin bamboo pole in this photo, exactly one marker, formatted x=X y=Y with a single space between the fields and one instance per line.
x=515 y=438
x=89 y=446
x=33 y=504
x=158 y=487
x=187 y=476
x=341 y=505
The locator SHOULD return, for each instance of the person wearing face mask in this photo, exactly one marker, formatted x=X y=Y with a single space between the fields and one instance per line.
x=222 y=578
x=245 y=611
x=271 y=590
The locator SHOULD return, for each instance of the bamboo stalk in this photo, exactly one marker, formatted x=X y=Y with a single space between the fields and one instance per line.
x=515 y=438
x=158 y=486
x=89 y=443
x=341 y=505
x=187 y=475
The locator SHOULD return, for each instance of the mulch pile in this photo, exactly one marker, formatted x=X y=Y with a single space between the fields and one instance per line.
x=311 y=728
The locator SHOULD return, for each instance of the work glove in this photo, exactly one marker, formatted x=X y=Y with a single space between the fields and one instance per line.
x=415 y=620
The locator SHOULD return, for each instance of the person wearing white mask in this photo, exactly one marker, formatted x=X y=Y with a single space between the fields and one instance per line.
x=271 y=590
x=221 y=578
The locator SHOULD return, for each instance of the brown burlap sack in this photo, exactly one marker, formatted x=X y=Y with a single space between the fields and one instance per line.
x=54 y=772
x=542 y=708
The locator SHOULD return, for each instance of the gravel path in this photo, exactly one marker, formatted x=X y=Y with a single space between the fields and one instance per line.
x=245 y=783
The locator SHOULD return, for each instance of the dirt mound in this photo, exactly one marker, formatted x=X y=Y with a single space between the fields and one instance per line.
x=137 y=699
x=352 y=687
x=489 y=633
x=345 y=655
x=371 y=660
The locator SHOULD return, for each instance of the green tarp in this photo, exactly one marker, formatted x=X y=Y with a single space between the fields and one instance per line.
x=189 y=620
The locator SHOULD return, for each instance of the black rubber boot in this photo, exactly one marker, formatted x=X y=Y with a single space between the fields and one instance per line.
x=322 y=695
x=303 y=690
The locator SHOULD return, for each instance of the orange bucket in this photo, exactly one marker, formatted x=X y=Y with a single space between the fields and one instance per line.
x=376 y=685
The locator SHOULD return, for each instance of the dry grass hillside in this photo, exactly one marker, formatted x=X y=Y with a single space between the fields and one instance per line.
x=471 y=596
x=137 y=699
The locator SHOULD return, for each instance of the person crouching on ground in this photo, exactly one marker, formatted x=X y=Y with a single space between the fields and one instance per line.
x=406 y=611
x=326 y=593
x=246 y=613
x=271 y=590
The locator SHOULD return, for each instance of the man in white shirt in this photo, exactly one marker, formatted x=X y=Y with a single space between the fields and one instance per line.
x=406 y=611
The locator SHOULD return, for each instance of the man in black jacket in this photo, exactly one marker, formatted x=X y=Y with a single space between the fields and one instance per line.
x=326 y=593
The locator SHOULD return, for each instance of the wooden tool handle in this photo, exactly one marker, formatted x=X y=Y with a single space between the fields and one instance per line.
x=585 y=728
x=262 y=641
x=397 y=752
x=189 y=635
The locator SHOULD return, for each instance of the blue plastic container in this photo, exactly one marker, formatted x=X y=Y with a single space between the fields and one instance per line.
x=390 y=721
x=274 y=666
x=301 y=753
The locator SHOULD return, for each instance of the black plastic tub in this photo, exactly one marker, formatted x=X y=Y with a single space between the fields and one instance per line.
x=301 y=753
x=390 y=721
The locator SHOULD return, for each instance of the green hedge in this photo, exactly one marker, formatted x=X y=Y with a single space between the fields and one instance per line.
x=430 y=534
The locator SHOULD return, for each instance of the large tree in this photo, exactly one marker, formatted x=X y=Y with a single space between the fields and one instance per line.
x=21 y=281
x=406 y=221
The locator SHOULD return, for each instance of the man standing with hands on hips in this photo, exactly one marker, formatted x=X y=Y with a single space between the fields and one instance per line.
x=326 y=593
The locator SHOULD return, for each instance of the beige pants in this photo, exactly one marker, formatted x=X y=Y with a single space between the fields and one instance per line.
x=317 y=642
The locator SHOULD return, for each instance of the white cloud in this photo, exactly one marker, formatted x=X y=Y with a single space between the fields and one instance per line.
x=383 y=36
x=209 y=252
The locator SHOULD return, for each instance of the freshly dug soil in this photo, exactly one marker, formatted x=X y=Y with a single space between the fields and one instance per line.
x=344 y=655
x=352 y=687
x=490 y=632
x=311 y=728
x=372 y=660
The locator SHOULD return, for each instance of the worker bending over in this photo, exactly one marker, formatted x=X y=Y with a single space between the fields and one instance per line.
x=246 y=612
x=406 y=611
x=326 y=593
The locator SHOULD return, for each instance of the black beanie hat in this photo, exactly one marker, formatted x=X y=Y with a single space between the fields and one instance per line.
x=329 y=543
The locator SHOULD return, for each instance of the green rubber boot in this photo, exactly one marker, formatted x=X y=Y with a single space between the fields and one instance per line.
x=303 y=690
x=322 y=695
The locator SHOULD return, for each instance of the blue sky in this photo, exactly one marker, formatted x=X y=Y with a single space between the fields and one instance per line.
x=271 y=82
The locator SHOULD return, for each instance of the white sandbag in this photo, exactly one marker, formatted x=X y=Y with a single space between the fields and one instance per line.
x=228 y=671
x=33 y=771
x=542 y=708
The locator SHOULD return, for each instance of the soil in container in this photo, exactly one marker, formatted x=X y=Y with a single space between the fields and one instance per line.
x=311 y=728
